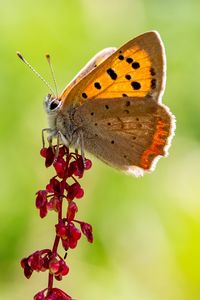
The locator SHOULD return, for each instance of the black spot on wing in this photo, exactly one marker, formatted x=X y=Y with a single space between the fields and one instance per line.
x=84 y=95
x=121 y=57
x=152 y=71
x=135 y=65
x=129 y=60
x=153 y=83
x=135 y=85
x=128 y=77
x=97 y=85
x=112 y=74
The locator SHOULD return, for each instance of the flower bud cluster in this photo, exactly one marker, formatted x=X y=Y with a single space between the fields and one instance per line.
x=69 y=168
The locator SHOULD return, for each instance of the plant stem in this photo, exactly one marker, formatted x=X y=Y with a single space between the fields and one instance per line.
x=54 y=250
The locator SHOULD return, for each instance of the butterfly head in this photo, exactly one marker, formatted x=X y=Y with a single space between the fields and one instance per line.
x=52 y=104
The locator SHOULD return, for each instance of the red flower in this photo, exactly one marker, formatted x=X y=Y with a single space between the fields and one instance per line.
x=61 y=229
x=55 y=186
x=38 y=261
x=54 y=204
x=71 y=211
x=41 y=202
x=74 y=191
x=60 y=167
x=54 y=294
x=27 y=269
x=58 y=268
x=69 y=234
x=88 y=164
x=87 y=231
x=49 y=155
x=43 y=260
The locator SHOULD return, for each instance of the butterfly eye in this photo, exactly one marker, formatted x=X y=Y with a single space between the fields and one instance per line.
x=54 y=104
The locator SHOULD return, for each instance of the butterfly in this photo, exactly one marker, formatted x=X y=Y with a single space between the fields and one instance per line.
x=113 y=107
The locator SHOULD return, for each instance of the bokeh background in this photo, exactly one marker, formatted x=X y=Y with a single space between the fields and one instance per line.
x=147 y=230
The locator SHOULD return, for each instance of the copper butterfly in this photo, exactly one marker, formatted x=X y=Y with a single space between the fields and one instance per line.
x=113 y=107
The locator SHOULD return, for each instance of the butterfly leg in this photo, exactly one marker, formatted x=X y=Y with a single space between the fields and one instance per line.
x=60 y=138
x=77 y=144
x=81 y=144
x=63 y=139
x=58 y=144
x=52 y=133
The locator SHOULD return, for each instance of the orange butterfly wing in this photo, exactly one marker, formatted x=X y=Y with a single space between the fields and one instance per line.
x=137 y=69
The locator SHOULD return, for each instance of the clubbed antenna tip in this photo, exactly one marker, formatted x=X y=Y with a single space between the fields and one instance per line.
x=47 y=56
x=20 y=56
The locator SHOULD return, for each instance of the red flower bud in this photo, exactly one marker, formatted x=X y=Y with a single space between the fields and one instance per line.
x=61 y=230
x=58 y=267
x=72 y=210
x=43 y=152
x=72 y=243
x=27 y=269
x=54 y=204
x=41 y=203
x=54 y=294
x=88 y=164
x=80 y=193
x=54 y=266
x=80 y=167
x=41 y=198
x=63 y=151
x=74 y=191
x=72 y=168
x=65 y=244
x=87 y=231
x=40 y=296
x=49 y=157
x=60 y=166
x=73 y=231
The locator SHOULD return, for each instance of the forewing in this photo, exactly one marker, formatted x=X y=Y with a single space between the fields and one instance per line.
x=128 y=134
x=137 y=69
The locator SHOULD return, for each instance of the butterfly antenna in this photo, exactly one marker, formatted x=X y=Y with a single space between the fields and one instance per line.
x=35 y=72
x=52 y=72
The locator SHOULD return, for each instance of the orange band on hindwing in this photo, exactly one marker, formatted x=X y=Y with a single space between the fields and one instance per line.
x=156 y=148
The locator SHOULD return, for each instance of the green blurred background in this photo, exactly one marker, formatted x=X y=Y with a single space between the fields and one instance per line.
x=147 y=230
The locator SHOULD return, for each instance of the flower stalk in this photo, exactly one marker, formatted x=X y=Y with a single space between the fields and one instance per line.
x=64 y=186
